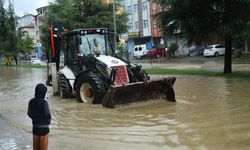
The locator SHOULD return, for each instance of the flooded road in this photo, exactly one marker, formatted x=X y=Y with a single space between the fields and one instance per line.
x=210 y=113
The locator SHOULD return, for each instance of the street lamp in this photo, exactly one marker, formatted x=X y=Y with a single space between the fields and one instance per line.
x=114 y=25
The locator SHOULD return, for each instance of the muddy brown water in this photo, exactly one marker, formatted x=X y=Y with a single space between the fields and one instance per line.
x=210 y=113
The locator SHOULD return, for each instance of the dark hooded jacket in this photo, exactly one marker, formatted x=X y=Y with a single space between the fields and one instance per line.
x=39 y=112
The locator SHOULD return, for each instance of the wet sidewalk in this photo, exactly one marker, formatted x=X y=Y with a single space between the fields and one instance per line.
x=194 y=63
x=12 y=138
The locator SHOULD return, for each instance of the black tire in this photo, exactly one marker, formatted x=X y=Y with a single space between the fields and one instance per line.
x=216 y=54
x=90 y=88
x=64 y=86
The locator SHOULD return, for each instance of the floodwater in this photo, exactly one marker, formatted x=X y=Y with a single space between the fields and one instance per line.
x=210 y=113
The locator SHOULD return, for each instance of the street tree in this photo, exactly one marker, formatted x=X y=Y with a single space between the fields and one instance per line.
x=200 y=20
x=11 y=32
x=24 y=44
x=8 y=37
x=3 y=27
x=75 y=14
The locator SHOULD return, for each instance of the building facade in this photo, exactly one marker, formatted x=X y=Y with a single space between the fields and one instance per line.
x=143 y=26
x=29 y=25
x=42 y=12
x=25 y=20
x=156 y=33
x=26 y=25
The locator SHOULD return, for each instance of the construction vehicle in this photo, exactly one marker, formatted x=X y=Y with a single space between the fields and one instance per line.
x=95 y=74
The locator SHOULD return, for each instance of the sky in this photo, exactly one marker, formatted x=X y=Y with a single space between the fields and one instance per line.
x=28 y=6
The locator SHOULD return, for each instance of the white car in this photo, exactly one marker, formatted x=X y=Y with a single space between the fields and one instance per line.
x=140 y=51
x=35 y=61
x=214 y=50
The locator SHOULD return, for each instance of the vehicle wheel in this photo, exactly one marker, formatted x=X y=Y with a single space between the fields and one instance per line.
x=90 y=88
x=64 y=86
x=216 y=54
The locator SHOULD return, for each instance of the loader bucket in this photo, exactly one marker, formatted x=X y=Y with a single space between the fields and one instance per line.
x=139 y=91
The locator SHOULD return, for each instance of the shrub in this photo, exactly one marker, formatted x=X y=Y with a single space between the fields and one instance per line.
x=173 y=48
x=238 y=53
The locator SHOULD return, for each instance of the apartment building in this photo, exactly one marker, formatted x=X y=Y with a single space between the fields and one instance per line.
x=25 y=20
x=26 y=25
x=156 y=34
x=42 y=12
x=29 y=25
x=143 y=26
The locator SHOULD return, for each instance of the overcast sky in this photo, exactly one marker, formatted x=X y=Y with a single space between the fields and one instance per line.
x=28 y=6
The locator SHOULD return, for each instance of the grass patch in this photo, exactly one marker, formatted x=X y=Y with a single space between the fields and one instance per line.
x=243 y=58
x=236 y=74
x=24 y=66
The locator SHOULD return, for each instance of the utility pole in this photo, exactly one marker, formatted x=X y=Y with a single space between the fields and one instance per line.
x=114 y=25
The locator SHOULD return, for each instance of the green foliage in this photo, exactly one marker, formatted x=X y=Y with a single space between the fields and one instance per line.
x=199 y=20
x=28 y=45
x=83 y=14
x=7 y=30
x=173 y=48
x=24 y=44
x=26 y=66
x=3 y=27
x=238 y=53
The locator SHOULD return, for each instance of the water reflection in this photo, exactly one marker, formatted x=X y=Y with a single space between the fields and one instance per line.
x=210 y=113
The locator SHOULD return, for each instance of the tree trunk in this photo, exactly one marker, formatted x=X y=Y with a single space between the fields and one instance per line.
x=15 y=57
x=228 y=54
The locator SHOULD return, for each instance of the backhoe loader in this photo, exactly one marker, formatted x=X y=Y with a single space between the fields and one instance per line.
x=94 y=73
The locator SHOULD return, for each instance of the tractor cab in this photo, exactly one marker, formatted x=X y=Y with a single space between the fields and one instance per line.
x=82 y=45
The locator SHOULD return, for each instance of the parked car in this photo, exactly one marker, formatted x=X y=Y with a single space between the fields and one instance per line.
x=35 y=61
x=156 y=53
x=195 y=50
x=214 y=50
x=140 y=51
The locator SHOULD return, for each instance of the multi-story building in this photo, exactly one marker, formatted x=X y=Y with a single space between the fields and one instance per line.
x=42 y=12
x=29 y=25
x=144 y=18
x=143 y=26
x=26 y=25
x=29 y=30
x=25 y=20
x=156 y=34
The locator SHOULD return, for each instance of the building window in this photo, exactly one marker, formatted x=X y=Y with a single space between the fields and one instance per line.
x=154 y=12
x=145 y=6
x=46 y=13
x=130 y=26
x=129 y=8
x=155 y=23
x=154 y=6
x=136 y=25
x=135 y=8
x=145 y=24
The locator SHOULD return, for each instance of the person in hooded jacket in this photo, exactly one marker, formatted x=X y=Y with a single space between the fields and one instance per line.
x=39 y=112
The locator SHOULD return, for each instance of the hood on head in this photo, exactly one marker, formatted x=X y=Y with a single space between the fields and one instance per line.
x=40 y=91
